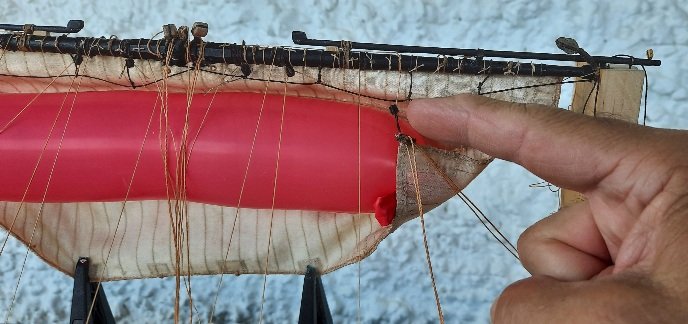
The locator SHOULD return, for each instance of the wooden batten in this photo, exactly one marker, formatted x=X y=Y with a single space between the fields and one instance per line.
x=619 y=94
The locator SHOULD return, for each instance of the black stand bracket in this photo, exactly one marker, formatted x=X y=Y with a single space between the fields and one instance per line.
x=84 y=293
x=314 y=308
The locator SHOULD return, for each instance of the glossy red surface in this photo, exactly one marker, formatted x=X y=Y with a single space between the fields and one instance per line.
x=318 y=159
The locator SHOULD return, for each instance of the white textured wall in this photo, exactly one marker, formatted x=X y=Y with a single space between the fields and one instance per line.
x=471 y=268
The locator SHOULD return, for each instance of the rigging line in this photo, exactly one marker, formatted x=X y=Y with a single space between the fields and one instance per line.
x=124 y=203
x=474 y=208
x=411 y=153
x=272 y=208
x=33 y=173
x=595 y=84
x=239 y=77
x=241 y=191
x=647 y=84
x=202 y=123
x=128 y=86
x=582 y=78
x=358 y=216
x=396 y=98
x=534 y=86
x=485 y=221
x=162 y=98
x=181 y=202
x=4 y=48
x=43 y=199
x=165 y=132
x=188 y=156
x=4 y=51
x=594 y=107
x=544 y=184
x=647 y=89
x=7 y=125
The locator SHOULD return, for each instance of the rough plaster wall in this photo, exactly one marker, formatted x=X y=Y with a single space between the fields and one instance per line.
x=471 y=268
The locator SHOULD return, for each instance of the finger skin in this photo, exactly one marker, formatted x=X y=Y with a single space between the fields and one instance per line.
x=565 y=246
x=627 y=299
x=593 y=156
x=567 y=149
x=620 y=256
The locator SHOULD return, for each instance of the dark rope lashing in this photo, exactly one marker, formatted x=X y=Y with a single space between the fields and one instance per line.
x=245 y=69
x=410 y=91
x=284 y=60
x=534 y=86
x=482 y=83
x=400 y=136
x=597 y=94
x=647 y=89
x=129 y=64
x=244 y=66
x=289 y=70
x=78 y=57
x=394 y=110
x=570 y=46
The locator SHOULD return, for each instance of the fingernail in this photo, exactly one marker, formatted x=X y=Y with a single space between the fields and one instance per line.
x=436 y=107
x=421 y=104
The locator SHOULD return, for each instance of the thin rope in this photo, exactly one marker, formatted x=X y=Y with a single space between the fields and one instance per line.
x=7 y=125
x=595 y=85
x=647 y=89
x=181 y=207
x=202 y=124
x=241 y=192
x=43 y=199
x=239 y=77
x=161 y=98
x=358 y=216
x=181 y=204
x=492 y=228
x=474 y=208
x=533 y=86
x=35 y=170
x=272 y=208
x=171 y=192
x=411 y=153
x=124 y=203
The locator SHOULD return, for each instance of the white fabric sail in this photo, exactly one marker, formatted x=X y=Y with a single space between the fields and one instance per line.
x=143 y=244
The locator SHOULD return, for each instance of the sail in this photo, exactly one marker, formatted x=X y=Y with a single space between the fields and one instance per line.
x=273 y=172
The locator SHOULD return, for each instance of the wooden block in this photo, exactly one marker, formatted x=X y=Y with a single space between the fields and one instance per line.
x=618 y=96
x=570 y=197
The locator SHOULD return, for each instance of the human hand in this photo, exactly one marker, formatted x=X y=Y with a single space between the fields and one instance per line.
x=619 y=256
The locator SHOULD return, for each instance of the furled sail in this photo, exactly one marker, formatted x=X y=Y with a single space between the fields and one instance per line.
x=273 y=167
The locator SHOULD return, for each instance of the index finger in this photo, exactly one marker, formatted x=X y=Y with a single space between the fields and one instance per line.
x=567 y=149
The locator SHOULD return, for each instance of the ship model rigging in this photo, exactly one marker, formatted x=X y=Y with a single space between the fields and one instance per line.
x=175 y=156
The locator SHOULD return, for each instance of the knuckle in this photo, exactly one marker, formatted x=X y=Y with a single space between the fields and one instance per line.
x=530 y=236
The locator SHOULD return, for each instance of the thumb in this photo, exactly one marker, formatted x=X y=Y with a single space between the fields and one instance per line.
x=605 y=300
